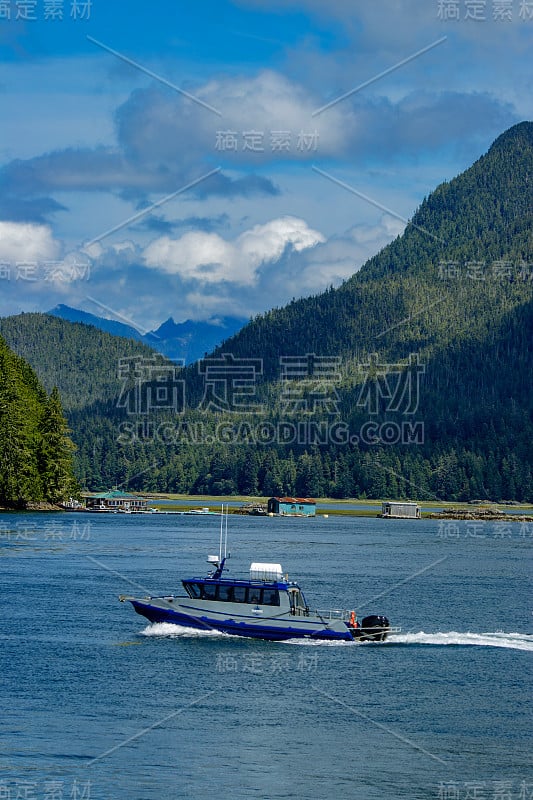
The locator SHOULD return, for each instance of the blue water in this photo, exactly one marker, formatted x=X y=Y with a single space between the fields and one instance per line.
x=99 y=704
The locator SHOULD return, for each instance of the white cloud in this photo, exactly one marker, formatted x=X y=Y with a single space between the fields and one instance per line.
x=155 y=128
x=27 y=242
x=208 y=258
x=201 y=274
x=199 y=255
x=336 y=259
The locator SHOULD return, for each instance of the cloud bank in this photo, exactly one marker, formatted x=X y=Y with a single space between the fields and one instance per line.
x=208 y=258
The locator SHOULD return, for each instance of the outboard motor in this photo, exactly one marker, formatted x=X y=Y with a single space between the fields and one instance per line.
x=374 y=628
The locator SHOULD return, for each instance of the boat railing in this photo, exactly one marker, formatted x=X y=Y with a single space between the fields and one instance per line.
x=333 y=613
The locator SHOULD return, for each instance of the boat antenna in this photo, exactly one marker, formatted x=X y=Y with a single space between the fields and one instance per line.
x=226 y=534
x=221 y=530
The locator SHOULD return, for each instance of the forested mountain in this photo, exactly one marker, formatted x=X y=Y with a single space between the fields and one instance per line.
x=82 y=361
x=35 y=450
x=463 y=262
x=108 y=325
x=412 y=379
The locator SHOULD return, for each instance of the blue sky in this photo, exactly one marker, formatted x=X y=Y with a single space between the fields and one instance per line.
x=168 y=159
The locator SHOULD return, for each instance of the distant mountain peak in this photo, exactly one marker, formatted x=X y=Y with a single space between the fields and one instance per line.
x=166 y=329
x=180 y=341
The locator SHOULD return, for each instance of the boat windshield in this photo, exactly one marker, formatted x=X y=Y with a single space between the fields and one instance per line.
x=297 y=601
x=233 y=593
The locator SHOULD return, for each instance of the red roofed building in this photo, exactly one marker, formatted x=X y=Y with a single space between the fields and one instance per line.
x=292 y=506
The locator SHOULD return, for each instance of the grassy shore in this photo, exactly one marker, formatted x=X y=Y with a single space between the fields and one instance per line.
x=182 y=502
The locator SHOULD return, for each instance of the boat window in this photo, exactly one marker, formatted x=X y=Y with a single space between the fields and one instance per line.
x=239 y=594
x=225 y=593
x=254 y=595
x=209 y=591
x=233 y=594
x=270 y=597
x=193 y=590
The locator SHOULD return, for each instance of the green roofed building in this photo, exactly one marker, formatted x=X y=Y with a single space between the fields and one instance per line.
x=116 y=501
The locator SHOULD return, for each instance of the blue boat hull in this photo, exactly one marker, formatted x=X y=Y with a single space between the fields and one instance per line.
x=254 y=628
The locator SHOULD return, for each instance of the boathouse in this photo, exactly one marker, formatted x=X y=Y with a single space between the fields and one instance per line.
x=116 y=501
x=292 y=506
x=400 y=510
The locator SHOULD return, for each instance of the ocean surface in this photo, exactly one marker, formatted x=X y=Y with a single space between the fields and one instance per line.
x=97 y=703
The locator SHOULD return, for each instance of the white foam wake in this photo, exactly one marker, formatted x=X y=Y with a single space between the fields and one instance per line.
x=513 y=641
x=179 y=631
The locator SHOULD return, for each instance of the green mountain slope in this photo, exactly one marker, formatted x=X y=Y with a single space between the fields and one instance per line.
x=81 y=360
x=408 y=296
x=454 y=292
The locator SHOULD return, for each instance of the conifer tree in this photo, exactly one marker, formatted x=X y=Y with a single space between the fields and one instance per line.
x=35 y=450
x=55 y=451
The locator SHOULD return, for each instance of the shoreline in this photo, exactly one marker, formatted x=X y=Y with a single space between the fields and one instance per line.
x=32 y=506
x=490 y=512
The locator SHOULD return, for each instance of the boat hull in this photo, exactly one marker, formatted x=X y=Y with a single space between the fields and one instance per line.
x=274 y=629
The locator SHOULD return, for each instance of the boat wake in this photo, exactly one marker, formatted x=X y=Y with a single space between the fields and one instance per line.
x=170 y=630
x=511 y=641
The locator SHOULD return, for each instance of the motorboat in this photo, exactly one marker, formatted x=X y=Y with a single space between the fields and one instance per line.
x=264 y=605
